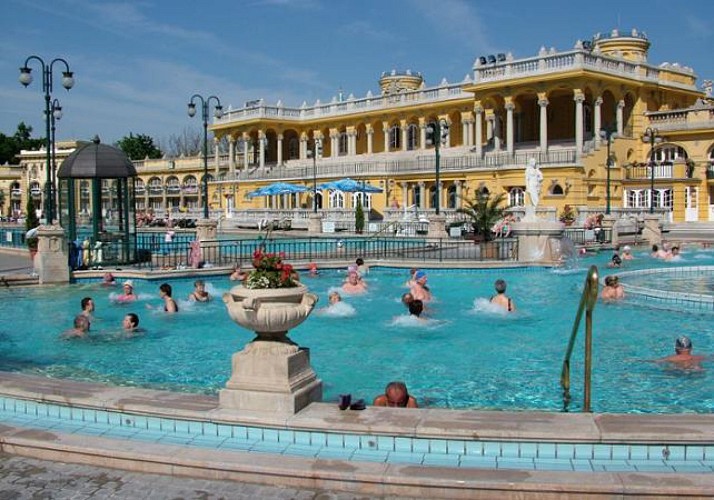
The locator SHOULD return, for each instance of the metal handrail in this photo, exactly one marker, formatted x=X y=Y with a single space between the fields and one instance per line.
x=587 y=303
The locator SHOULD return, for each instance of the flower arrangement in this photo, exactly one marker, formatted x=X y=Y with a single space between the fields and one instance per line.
x=567 y=215
x=270 y=271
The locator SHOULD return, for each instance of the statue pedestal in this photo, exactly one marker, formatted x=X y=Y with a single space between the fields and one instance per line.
x=271 y=374
x=206 y=229
x=538 y=240
x=652 y=232
x=52 y=255
x=437 y=227
x=314 y=223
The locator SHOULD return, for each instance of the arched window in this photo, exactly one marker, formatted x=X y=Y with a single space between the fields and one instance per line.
x=668 y=154
x=711 y=159
x=516 y=197
x=337 y=199
x=342 y=145
x=417 y=196
x=412 y=137
x=557 y=190
x=395 y=138
x=451 y=197
x=432 y=197
x=365 y=199
x=293 y=149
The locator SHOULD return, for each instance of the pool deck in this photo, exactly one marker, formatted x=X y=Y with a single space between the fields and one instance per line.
x=361 y=477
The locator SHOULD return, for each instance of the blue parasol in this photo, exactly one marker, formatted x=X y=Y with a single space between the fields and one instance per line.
x=348 y=185
x=277 y=188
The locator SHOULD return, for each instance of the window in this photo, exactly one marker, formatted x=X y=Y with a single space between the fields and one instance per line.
x=451 y=197
x=342 y=145
x=365 y=199
x=412 y=137
x=635 y=198
x=395 y=138
x=337 y=199
x=516 y=197
x=670 y=153
x=557 y=190
x=293 y=149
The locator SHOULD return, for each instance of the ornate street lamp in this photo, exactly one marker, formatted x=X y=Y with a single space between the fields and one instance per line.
x=67 y=83
x=609 y=134
x=314 y=152
x=56 y=110
x=436 y=134
x=652 y=137
x=218 y=112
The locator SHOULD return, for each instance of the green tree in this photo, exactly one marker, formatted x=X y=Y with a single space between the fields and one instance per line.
x=139 y=147
x=359 y=217
x=10 y=146
x=484 y=211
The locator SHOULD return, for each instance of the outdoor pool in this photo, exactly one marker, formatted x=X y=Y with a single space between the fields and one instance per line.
x=465 y=356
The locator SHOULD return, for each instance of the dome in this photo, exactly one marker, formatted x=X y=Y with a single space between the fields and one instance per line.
x=94 y=160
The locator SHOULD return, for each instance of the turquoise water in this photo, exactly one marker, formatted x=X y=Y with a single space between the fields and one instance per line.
x=465 y=356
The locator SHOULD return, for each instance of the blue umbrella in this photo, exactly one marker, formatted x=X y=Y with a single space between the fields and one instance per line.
x=277 y=188
x=348 y=185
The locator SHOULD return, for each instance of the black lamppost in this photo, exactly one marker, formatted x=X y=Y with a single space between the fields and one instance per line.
x=609 y=134
x=314 y=152
x=436 y=133
x=68 y=83
x=56 y=111
x=218 y=112
x=652 y=137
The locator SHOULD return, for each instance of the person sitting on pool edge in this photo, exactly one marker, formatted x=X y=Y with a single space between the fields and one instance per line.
x=613 y=290
x=683 y=357
x=501 y=299
x=396 y=396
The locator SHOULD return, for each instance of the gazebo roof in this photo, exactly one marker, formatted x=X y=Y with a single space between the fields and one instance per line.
x=96 y=161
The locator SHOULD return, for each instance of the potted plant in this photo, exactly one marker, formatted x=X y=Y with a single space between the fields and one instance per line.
x=484 y=211
x=567 y=215
x=359 y=217
x=31 y=222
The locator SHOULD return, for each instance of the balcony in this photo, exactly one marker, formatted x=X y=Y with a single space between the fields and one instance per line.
x=190 y=189
x=698 y=117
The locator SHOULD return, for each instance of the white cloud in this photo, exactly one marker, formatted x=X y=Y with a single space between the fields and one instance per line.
x=458 y=20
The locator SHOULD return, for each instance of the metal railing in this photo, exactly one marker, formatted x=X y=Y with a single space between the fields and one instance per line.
x=231 y=252
x=588 y=299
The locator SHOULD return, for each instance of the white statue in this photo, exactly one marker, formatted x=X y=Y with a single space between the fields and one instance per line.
x=534 y=179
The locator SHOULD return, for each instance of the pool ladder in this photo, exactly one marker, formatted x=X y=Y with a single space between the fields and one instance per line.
x=588 y=299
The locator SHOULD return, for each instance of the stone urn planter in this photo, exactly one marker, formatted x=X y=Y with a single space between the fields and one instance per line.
x=272 y=373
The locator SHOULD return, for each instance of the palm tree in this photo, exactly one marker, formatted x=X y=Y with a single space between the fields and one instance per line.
x=484 y=211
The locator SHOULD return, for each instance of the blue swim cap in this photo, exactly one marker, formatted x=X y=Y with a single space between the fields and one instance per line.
x=419 y=275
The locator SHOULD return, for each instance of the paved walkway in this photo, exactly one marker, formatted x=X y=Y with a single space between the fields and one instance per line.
x=15 y=263
x=27 y=478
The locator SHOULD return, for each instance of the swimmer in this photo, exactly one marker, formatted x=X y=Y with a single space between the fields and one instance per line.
x=683 y=357
x=312 y=269
x=128 y=289
x=130 y=322
x=87 y=305
x=362 y=268
x=416 y=307
x=80 y=330
x=354 y=284
x=419 y=289
x=170 y=305
x=658 y=253
x=613 y=290
x=407 y=299
x=410 y=282
x=237 y=274
x=199 y=293
x=616 y=261
x=396 y=395
x=501 y=299
x=627 y=253
x=334 y=297
x=108 y=280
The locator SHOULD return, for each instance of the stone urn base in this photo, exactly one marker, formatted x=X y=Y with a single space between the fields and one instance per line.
x=271 y=374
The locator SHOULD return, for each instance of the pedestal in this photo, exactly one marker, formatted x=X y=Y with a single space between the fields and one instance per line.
x=610 y=222
x=271 y=374
x=538 y=240
x=314 y=223
x=51 y=261
x=437 y=227
x=652 y=232
x=206 y=229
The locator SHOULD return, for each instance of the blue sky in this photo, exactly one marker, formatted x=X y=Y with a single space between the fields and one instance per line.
x=137 y=63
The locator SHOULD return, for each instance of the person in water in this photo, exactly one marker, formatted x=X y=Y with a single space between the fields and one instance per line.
x=396 y=395
x=80 y=330
x=130 y=322
x=199 y=293
x=501 y=299
x=128 y=294
x=613 y=290
x=683 y=357
x=354 y=284
x=419 y=290
x=87 y=305
x=170 y=305
x=334 y=297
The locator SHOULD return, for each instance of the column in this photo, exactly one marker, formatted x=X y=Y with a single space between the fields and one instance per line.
x=620 y=124
x=496 y=132
x=543 y=104
x=334 y=143
x=447 y=139
x=215 y=155
x=479 y=140
x=246 y=155
x=405 y=195
x=280 y=149
x=351 y=141
x=403 y=127
x=232 y=156
x=422 y=195
x=385 y=131
x=509 y=125
x=459 y=193
x=422 y=133
x=597 y=118
x=579 y=98
x=261 y=147
x=370 y=139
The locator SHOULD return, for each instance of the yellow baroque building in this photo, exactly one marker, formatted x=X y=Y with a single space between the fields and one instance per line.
x=556 y=107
